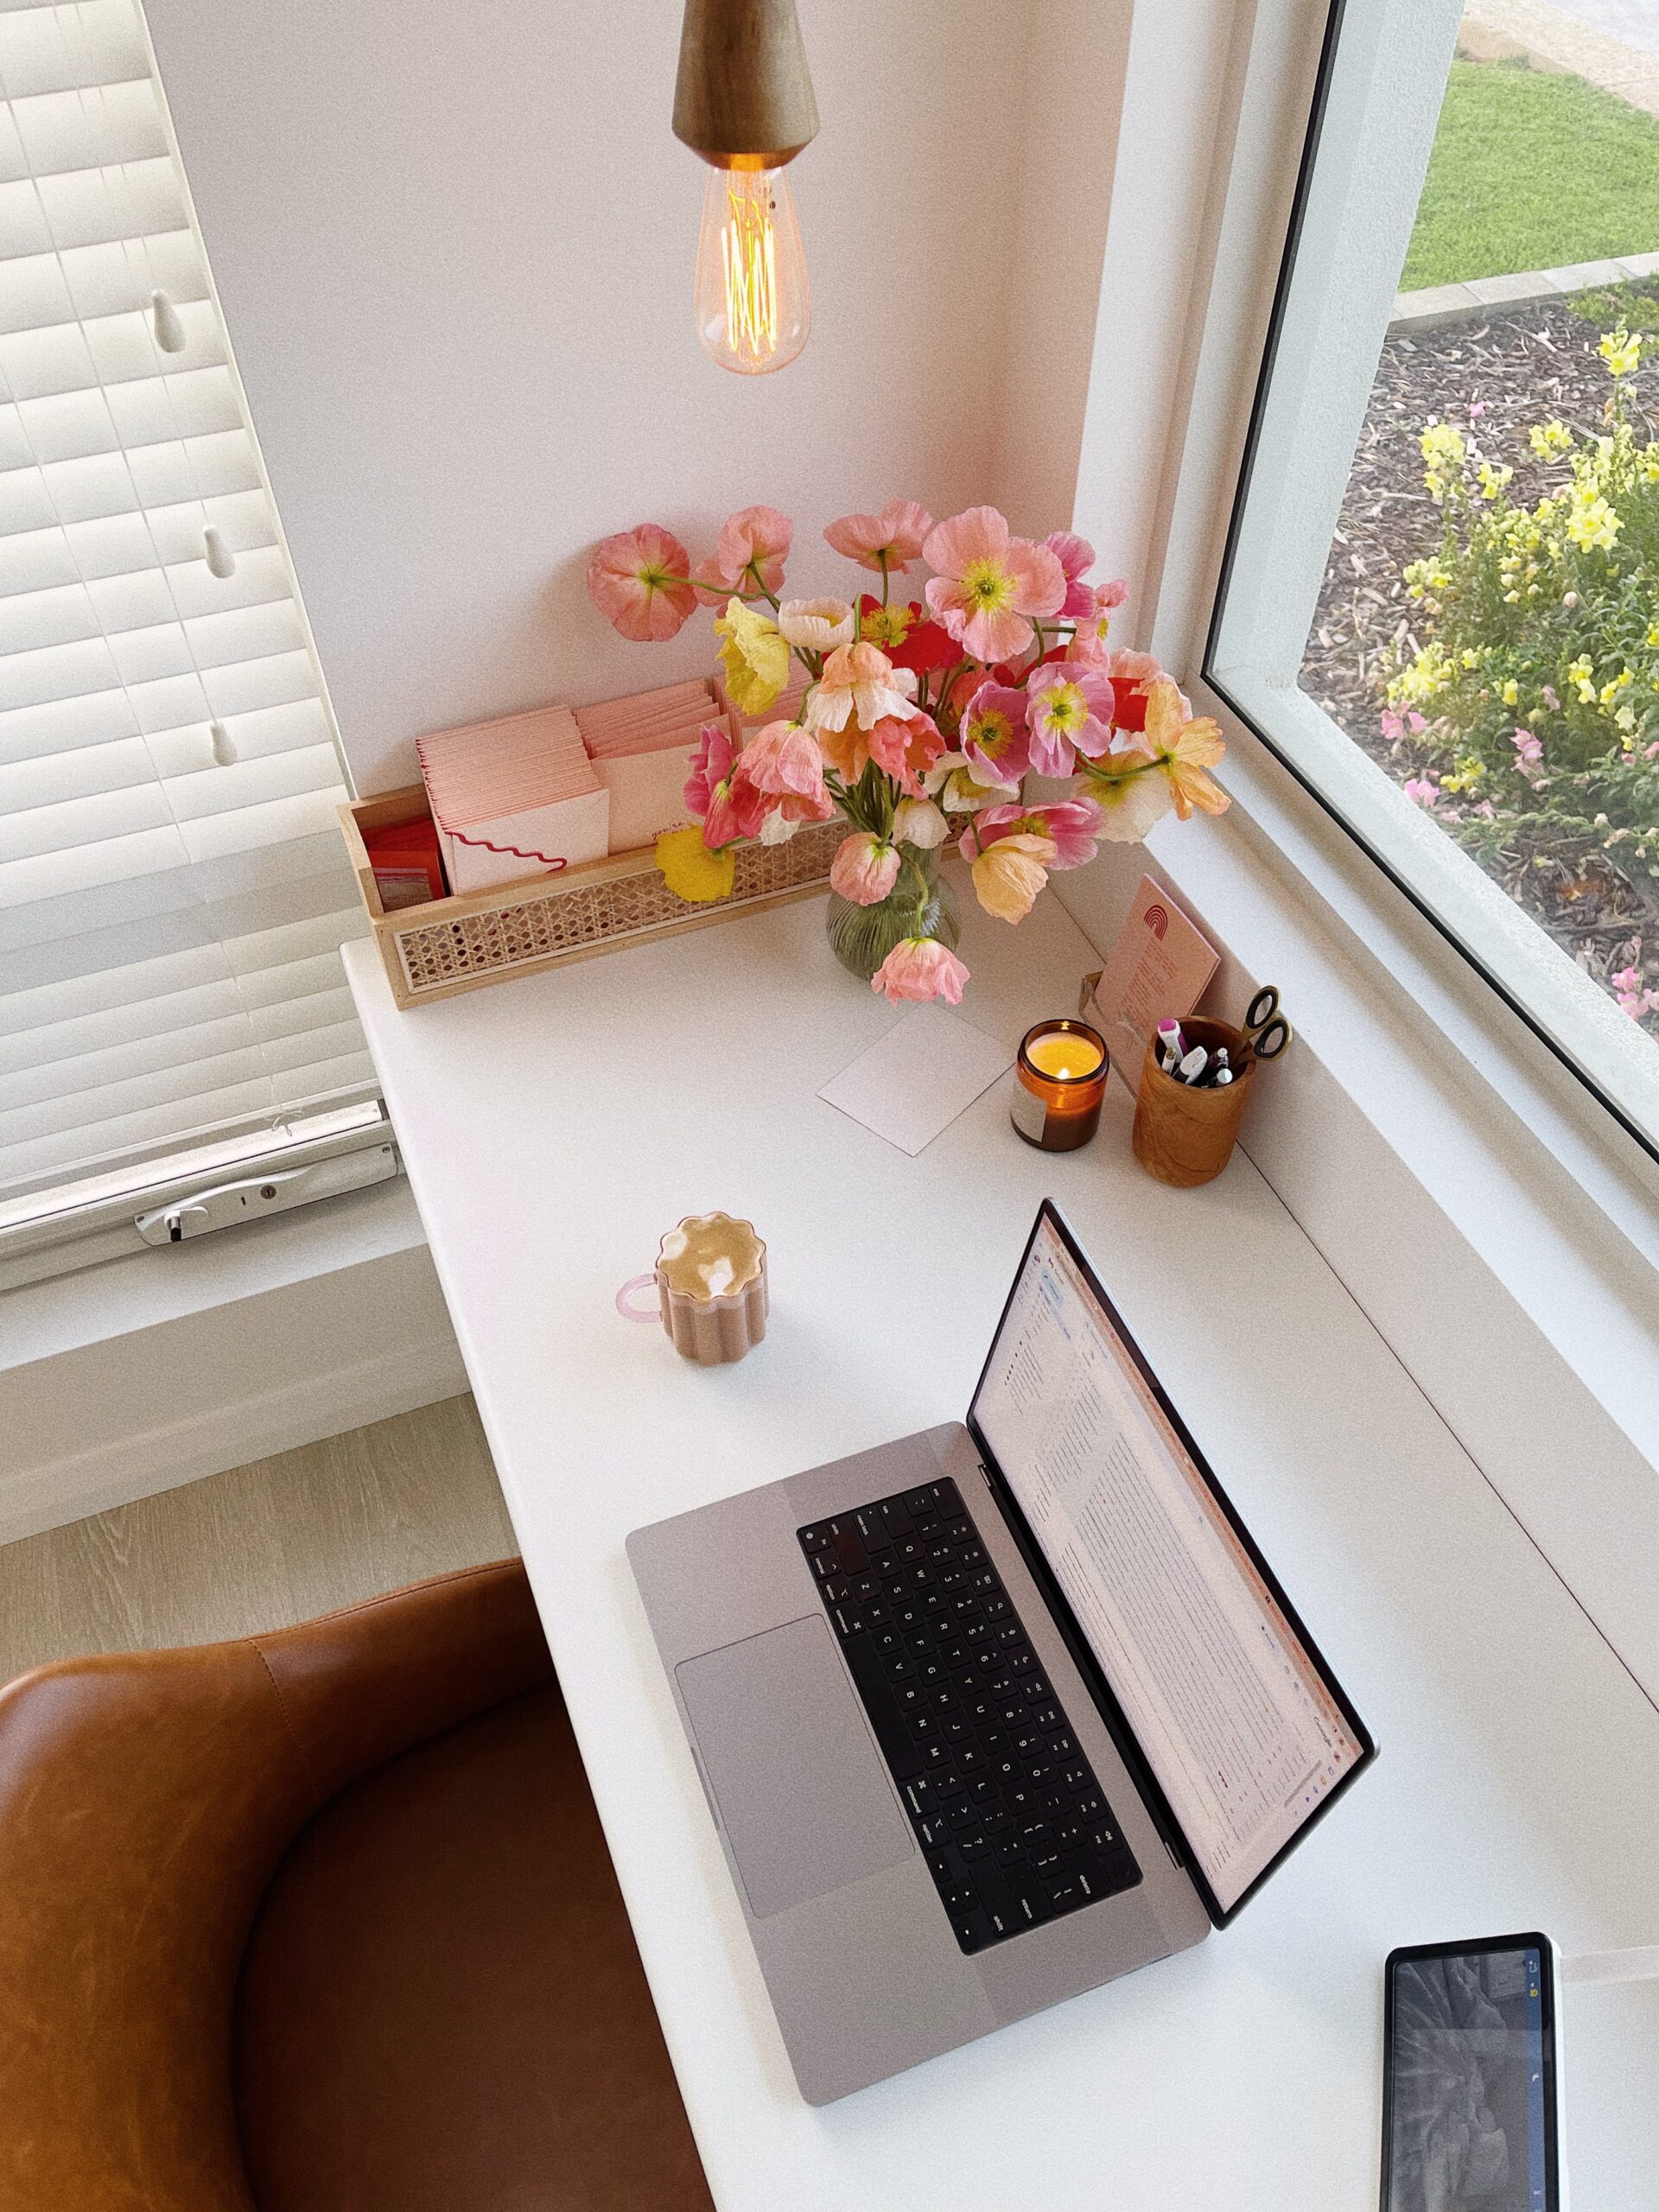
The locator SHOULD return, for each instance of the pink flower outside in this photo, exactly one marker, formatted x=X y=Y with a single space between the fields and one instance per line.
x=638 y=581
x=748 y=556
x=1076 y=557
x=1071 y=826
x=1423 y=791
x=889 y=540
x=990 y=584
x=865 y=868
x=920 y=968
x=1529 y=750
x=1069 y=710
x=993 y=733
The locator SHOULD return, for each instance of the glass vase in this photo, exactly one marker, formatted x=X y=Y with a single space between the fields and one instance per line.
x=921 y=903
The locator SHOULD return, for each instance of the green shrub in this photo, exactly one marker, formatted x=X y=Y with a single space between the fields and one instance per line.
x=1531 y=699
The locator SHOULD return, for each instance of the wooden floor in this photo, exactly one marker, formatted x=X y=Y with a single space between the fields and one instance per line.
x=261 y=1546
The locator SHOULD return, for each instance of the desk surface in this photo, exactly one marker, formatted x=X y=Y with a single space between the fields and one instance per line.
x=554 y=1127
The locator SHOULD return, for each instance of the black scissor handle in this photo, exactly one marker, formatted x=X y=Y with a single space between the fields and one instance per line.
x=1271 y=1038
x=1263 y=1008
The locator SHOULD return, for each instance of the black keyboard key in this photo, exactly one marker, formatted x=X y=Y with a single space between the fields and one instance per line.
x=1011 y=1821
x=850 y=1548
x=877 y=1693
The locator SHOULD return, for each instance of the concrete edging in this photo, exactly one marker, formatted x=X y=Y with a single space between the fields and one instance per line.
x=1443 y=303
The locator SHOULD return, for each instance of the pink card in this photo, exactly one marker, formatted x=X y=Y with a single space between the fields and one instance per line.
x=1159 y=969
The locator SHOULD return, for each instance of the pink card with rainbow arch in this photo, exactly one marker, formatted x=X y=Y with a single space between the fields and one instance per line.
x=1159 y=969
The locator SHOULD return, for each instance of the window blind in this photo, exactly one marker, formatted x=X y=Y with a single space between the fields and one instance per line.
x=173 y=887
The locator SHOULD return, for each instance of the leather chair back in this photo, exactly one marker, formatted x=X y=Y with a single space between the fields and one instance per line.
x=145 y=1800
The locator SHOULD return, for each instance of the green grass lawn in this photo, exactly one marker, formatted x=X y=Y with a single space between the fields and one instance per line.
x=1531 y=171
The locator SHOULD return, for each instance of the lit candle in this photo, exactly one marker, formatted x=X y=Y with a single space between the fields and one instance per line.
x=1064 y=1053
x=1060 y=1081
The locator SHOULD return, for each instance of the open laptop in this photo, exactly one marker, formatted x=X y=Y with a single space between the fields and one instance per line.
x=995 y=1713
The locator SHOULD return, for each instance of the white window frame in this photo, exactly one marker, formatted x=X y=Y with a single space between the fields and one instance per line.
x=1272 y=65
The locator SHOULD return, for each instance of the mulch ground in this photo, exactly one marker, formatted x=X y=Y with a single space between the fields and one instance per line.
x=1518 y=367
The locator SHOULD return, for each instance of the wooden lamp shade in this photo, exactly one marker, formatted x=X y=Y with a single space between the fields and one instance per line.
x=743 y=98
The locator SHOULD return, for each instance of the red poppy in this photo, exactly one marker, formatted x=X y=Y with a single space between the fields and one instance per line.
x=908 y=637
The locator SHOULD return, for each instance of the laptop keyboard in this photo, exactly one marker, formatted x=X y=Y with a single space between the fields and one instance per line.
x=1014 y=1826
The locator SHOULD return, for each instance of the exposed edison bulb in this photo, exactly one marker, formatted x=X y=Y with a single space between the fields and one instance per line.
x=754 y=310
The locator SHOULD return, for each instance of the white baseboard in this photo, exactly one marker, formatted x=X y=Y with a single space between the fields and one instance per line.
x=123 y=1418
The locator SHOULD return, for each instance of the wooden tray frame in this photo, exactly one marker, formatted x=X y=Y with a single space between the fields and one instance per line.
x=462 y=942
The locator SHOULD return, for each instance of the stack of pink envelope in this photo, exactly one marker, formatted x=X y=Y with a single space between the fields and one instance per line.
x=514 y=798
x=641 y=750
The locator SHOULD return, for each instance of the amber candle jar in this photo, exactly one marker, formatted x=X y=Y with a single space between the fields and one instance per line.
x=1060 y=1080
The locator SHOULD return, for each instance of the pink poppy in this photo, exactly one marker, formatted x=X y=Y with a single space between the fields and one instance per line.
x=1071 y=826
x=860 y=682
x=784 y=761
x=719 y=791
x=920 y=968
x=638 y=581
x=905 y=748
x=865 y=868
x=1094 y=628
x=748 y=557
x=993 y=733
x=1076 y=557
x=888 y=542
x=710 y=764
x=1069 y=710
x=989 y=584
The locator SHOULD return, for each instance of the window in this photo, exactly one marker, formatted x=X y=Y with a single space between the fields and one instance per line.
x=1440 y=601
x=173 y=886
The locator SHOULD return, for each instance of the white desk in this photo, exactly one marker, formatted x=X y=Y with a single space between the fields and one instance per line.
x=554 y=1127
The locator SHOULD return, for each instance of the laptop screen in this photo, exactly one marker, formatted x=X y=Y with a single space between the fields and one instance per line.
x=1230 y=1706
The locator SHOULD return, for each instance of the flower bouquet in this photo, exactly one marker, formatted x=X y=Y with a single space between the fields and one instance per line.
x=919 y=720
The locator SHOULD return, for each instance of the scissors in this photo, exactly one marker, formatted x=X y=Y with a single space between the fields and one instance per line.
x=1265 y=1027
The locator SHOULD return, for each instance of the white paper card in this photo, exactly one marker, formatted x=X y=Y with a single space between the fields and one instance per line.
x=913 y=1082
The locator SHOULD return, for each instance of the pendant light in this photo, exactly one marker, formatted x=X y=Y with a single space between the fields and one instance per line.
x=743 y=101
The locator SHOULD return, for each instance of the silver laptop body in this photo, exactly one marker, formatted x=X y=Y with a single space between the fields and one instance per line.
x=862 y=1968
x=1235 y=1739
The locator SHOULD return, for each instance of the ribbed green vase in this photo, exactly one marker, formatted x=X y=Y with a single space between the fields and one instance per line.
x=921 y=903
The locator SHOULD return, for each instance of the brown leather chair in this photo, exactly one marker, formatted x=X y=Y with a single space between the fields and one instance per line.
x=322 y=1920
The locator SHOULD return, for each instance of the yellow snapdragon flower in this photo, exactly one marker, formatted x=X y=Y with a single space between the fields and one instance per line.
x=1548 y=439
x=1621 y=352
x=1590 y=522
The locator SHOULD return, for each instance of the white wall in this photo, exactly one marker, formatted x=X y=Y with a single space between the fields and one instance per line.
x=454 y=249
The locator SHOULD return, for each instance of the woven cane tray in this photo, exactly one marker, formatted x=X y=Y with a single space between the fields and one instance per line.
x=454 y=945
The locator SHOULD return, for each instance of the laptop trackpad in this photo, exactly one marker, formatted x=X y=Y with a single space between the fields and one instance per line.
x=802 y=1793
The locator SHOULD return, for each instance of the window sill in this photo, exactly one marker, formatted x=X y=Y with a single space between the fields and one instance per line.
x=1449 y=1169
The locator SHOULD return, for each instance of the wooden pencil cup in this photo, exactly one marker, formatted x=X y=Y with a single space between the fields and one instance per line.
x=1185 y=1136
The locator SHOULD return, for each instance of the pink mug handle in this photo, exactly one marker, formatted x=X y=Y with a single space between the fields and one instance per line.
x=629 y=1290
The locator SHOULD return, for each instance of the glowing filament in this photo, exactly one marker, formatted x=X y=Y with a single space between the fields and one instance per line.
x=748 y=255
